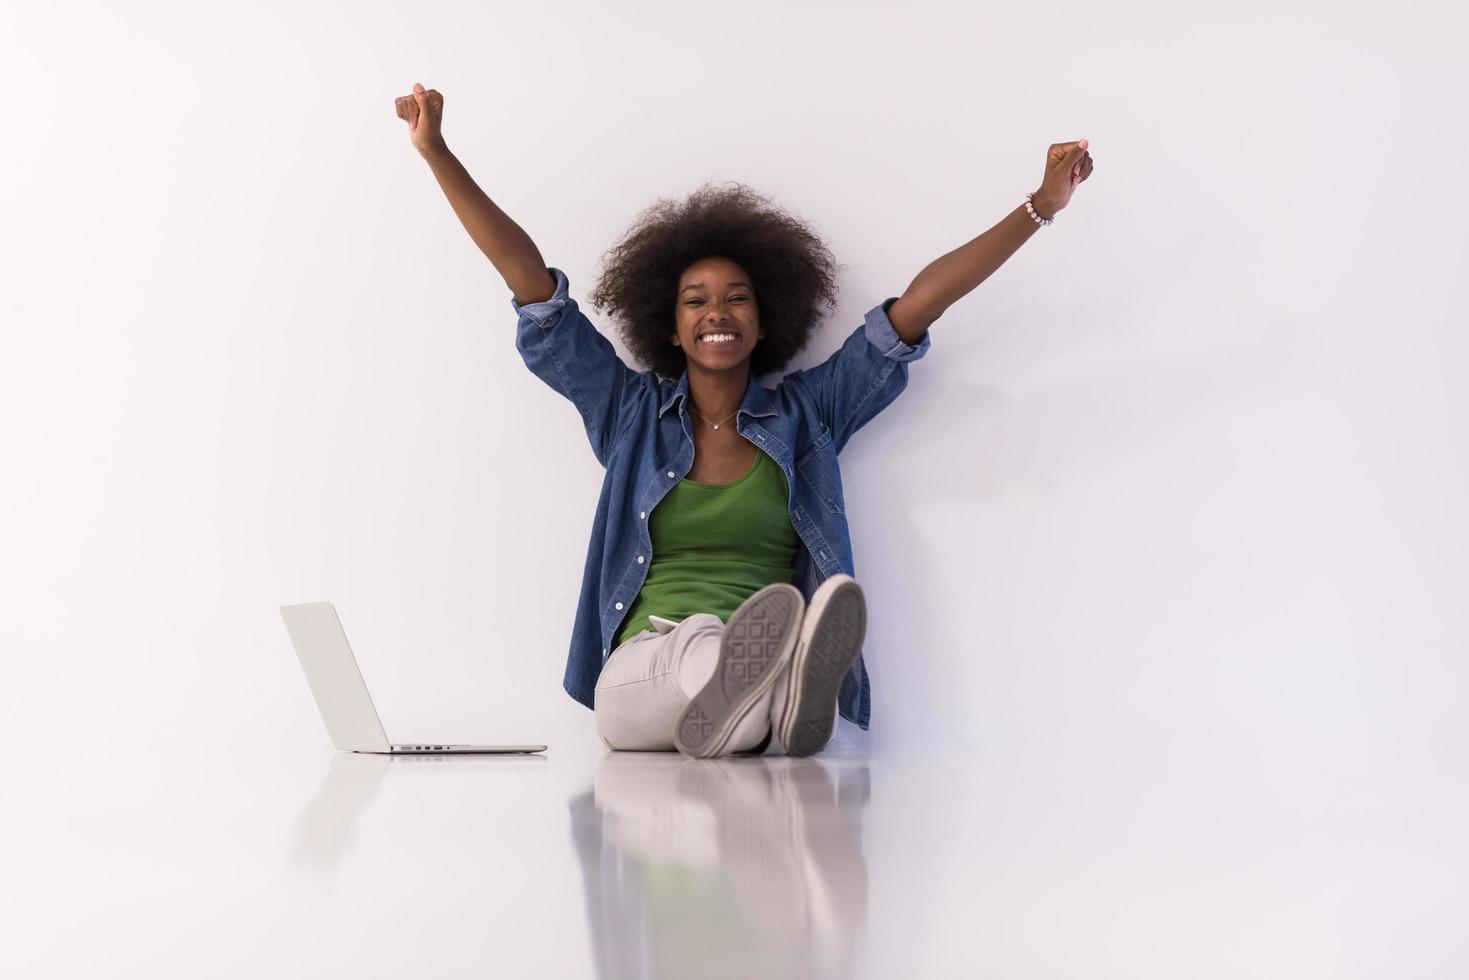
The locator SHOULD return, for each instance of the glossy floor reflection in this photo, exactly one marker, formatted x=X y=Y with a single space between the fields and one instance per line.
x=1106 y=858
x=723 y=868
x=690 y=868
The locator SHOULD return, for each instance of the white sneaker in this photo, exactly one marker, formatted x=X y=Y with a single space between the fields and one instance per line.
x=755 y=648
x=830 y=640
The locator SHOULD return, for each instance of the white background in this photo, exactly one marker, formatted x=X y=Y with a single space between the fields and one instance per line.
x=1170 y=519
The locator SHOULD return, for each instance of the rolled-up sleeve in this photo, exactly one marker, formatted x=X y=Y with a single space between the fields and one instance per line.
x=863 y=376
x=882 y=335
x=541 y=313
x=562 y=348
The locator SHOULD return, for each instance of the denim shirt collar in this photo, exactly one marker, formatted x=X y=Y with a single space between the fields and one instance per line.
x=756 y=404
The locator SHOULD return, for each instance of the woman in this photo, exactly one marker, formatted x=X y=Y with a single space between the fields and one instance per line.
x=718 y=608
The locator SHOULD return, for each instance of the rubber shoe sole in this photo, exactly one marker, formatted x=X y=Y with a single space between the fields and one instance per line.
x=756 y=646
x=831 y=639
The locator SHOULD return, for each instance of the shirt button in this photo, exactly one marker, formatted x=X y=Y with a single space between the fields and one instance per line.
x=642 y=514
x=619 y=605
x=670 y=474
x=604 y=651
x=640 y=559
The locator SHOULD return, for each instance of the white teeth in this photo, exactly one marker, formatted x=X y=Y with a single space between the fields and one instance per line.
x=718 y=338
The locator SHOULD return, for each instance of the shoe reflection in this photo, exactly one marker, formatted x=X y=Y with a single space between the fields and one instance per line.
x=723 y=867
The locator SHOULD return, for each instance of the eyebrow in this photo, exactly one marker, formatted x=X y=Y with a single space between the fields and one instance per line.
x=700 y=285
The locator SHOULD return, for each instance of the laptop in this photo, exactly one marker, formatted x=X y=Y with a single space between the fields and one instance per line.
x=341 y=694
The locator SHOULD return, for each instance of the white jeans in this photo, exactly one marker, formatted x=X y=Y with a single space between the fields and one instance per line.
x=646 y=682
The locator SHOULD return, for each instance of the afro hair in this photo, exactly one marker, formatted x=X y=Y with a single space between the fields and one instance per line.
x=792 y=272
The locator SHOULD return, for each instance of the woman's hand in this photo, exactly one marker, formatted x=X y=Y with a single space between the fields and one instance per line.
x=1067 y=164
x=423 y=110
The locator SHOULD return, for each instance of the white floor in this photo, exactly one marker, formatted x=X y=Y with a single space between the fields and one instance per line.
x=1010 y=862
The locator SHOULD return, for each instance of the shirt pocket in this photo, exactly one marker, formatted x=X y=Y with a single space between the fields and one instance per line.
x=818 y=469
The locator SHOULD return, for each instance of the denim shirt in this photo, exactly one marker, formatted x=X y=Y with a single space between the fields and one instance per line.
x=640 y=433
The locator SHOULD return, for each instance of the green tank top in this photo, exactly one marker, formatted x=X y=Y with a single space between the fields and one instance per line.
x=714 y=545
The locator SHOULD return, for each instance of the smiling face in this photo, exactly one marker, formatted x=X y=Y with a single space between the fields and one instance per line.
x=716 y=300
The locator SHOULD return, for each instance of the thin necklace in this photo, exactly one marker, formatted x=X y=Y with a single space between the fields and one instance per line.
x=715 y=424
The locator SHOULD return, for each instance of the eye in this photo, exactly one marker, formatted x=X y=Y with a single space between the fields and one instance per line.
x=693 y=302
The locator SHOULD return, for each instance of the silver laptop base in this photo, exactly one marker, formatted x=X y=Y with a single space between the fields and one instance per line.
x=458 y=749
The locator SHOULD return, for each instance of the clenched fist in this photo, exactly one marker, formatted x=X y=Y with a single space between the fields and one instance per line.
x=424 y=110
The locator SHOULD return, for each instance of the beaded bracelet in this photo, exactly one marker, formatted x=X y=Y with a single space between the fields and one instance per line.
x=1038 y=219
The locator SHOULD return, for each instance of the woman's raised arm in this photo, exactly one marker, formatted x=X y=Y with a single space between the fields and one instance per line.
x=503 y=241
